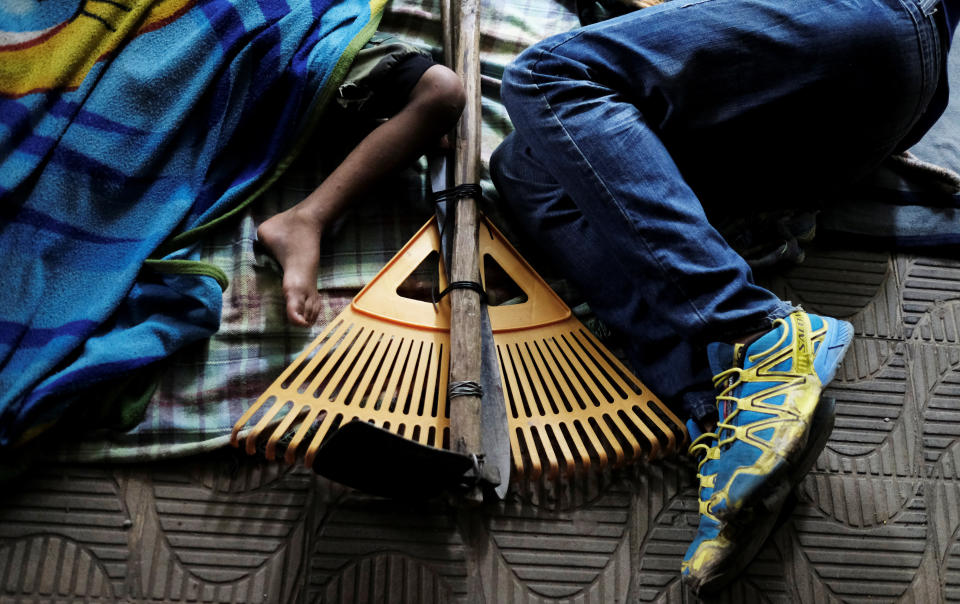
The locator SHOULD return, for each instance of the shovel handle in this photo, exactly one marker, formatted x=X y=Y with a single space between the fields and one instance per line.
x=465 y=348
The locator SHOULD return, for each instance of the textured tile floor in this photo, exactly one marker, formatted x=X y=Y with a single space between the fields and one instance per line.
x=876 y=520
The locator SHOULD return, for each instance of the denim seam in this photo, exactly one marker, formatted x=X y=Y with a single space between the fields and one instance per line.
x=695 y=3
x=917 y=11
x=784 y=310
x=610 y=196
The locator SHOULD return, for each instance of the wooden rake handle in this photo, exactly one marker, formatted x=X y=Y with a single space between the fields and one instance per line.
x=465 y=348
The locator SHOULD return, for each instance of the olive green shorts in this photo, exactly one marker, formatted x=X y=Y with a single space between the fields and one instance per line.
x=382 y=76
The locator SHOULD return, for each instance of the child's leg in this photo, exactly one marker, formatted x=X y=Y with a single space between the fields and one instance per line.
x=293 y=236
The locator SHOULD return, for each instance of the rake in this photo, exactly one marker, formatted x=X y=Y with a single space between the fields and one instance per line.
x=571 y=404
x=369 y=396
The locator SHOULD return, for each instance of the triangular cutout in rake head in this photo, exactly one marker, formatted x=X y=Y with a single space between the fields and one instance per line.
x=570 y=402
x=384 y=361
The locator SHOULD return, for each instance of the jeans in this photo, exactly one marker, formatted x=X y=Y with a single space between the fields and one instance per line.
x=630 y=133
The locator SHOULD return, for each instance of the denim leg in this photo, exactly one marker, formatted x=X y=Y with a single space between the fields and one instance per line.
x=643 y=119
x=665 y=361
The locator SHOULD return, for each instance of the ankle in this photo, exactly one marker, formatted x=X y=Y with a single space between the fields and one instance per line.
x=749 y=338
x=305 y=216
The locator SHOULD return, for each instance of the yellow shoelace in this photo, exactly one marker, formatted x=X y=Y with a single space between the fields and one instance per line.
x=725 y=377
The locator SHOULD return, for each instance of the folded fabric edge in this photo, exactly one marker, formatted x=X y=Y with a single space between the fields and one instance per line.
x=189 y=267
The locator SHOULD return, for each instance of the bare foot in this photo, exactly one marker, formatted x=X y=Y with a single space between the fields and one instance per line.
x=294 y=241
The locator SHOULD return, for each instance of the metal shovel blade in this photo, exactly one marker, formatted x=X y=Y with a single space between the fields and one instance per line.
x=375 y=461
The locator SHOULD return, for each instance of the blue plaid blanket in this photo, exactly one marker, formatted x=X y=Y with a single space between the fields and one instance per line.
x=129 y=129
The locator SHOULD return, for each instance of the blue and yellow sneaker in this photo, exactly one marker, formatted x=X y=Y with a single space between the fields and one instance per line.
x=721 y=550
x=770 y=390
x=772 y=426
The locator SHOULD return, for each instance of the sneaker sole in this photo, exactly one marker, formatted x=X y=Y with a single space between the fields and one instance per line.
x=821 y=427
x=840 y=336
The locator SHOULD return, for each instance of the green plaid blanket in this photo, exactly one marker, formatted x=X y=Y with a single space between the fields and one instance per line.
x=204 y=389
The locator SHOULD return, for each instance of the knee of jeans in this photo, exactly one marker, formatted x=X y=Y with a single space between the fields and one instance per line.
x=516 y=76
x=531 y=67
x=519 y=69
x=541 y=64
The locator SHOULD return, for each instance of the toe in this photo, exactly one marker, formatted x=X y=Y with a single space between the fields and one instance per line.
x=314 y=308
x=295 y=310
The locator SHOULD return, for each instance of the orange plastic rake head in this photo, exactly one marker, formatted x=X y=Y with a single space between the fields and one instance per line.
x=382 y=360
x=570 y=403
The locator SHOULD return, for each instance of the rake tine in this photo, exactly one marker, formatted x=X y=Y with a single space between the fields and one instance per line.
x=254 y=435
x=342 y=362
x=627 y=435
x=415 y=403
x=537 y=405
x=246 y=417
x=251 y=438
x=580 y=448
x=526 y=406
x=654 y=417
x=577 y=433
x=507 y=373
x=579 y=444
x=377 y=395
x=632 y=420
x=316 y=441
x=617 y=377
x=605 y=435
x=600 y=368
x=587 y=369
x=407 y=377
x=443 y=408
x=305 y=425
x=594 y=439
x=392 y=396
x=563 y=396
x=565 y=450
x=536 y=466
x=362 y=392
x=282 y=429
x=545 y=379
x=433 y=382
x=553 y=465
x=358 y=362
x=322 y=346
x=566 y=375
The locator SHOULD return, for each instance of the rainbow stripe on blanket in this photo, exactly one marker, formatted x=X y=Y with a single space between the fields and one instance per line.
x=129 y=129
